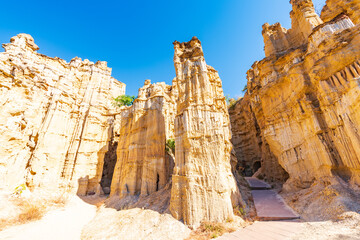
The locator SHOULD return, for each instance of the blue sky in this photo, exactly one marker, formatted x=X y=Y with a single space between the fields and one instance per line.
x=135 y=36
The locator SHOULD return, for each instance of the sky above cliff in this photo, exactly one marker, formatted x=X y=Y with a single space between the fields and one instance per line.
x=135 y=37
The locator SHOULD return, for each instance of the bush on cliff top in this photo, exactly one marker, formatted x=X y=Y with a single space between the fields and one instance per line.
x=124 y=100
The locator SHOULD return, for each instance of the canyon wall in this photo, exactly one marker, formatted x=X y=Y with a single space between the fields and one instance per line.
x=61 y=130
x=334 y=8
x=143 y=165
x=54 y=130
x=202 y=182
x=252 y=150
x=304 y=98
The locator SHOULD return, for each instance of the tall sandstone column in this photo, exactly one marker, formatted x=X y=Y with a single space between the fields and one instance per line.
x=202 y=182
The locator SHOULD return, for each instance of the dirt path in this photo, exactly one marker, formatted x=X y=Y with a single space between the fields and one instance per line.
x=269 y=230
x=66 y=223
x=269 y=206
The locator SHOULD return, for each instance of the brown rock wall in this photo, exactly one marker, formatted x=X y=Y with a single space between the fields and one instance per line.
x=252 y=150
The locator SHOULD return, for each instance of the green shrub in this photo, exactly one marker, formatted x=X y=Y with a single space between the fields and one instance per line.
x=232 y=103
x=245 y=88
x=227 y=99
x=213 y=229
x=239 y=211
x=170 y=145
x=124 y=100
x=19 y=189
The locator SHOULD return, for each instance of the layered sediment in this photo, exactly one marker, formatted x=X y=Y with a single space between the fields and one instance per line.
x=304 y=98
x=202 y=181
x=297 y=123
x=252 y=151
x=53 y=122
x=143 y=165
x=334 y=8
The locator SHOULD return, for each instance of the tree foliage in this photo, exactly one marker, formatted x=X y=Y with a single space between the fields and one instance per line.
x=245 y=88
x=227 y=99
x=124 y=100
x=230 y=102
x=170 y=145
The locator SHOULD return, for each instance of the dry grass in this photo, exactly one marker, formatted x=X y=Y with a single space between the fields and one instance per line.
x=239 y=211
x=59 y=200
x=31 y=209
x=208 y=230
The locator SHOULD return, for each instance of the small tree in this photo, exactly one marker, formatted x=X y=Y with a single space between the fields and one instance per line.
x=227 y=99
x=124 y=100
x=245 y=88
x=170 y=145
x=232 y=103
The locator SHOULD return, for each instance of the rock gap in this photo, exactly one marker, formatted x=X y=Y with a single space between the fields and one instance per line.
x=109 y=166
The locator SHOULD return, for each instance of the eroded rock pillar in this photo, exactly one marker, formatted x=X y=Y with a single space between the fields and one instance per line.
x=202 y=182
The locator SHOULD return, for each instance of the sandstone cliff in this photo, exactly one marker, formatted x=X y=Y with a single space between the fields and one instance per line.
x=59 y=129
x=53 y=122
x=304 y=96
x=252 y=151
x=202 y=182
x=143 y=166
x=193 y=111
x=334 y=8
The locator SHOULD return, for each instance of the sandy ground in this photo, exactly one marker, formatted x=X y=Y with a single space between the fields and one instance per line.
x=324 y=200
x=89 y=218
x=86 y=219
x=7 y=207
x=330 y=209
x=134 y=224
x=65 y=223
x=346 y=228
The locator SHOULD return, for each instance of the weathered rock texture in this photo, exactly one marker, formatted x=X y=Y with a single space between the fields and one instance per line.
x=252 y=151
x=53 y=124
x=143 y=166
x=202 y=182
x=59 y=129
x=334 y=8
x=305 y=97
x=303 y=19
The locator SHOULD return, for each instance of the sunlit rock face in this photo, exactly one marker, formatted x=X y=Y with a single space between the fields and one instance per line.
x=53 y=122
x=143 y=166
x=334 y=8
x=252 y=150
x=305 y=99
x=303 y=20
x=202 y=182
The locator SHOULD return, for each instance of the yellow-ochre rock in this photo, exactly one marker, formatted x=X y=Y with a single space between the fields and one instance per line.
x=60 y=129
x=53 y=122
x=304 y=96
x=143 y=165
x=334 y=8
x=298 y=122
x=202 y=181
